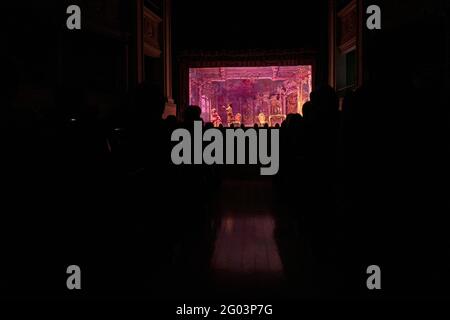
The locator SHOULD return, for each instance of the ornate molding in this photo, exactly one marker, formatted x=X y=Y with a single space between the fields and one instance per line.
x=348 y=27
x=245 y=54
x=247 y=58
x=152 y=38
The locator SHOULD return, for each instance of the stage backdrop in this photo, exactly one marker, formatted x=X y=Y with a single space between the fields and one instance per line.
x=256 y=94
x=260 y=72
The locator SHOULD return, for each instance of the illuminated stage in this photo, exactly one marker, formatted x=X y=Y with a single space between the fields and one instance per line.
x=249 y=95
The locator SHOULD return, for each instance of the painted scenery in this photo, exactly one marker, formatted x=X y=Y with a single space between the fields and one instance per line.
x=249 y=95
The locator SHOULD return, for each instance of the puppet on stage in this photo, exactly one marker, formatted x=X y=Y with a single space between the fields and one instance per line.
x=262 y=119
x=230 y=116
x=215 y=118
x=275 y=105
x=237 y=120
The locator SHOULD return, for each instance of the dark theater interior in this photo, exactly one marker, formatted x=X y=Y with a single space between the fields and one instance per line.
x=88 y=118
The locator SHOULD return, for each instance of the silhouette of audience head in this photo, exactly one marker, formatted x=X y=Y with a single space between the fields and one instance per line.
x=307 y=110
x=293 y=120
x=192 y=113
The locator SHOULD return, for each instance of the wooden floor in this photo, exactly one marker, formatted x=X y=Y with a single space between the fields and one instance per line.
x=245 y=245
x=246 y=257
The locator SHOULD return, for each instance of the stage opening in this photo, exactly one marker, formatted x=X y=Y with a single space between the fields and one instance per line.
x=232 y=96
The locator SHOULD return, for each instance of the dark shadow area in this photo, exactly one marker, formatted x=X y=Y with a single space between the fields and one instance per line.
x=88 y=178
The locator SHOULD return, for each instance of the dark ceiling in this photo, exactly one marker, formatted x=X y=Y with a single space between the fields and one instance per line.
x=249 y=24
